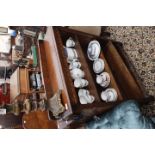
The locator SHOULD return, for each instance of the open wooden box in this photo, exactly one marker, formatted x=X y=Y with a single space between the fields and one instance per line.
x=121 y=78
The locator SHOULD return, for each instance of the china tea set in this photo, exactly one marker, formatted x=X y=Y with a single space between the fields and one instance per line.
x=77 y=74
x=102 y=78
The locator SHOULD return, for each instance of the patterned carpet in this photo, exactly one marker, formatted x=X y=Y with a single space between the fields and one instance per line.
x=139 y=45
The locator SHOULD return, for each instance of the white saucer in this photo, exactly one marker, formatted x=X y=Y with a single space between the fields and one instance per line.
x=107 y=82
x=93 y=50
x=98 y=66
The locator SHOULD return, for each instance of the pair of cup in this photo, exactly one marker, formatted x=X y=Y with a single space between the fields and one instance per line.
x=103 y=79
x=85 y=97
x=77 y=74
x=109 y=95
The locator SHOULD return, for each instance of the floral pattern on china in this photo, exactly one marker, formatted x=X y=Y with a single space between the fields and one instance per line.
x=93 y=50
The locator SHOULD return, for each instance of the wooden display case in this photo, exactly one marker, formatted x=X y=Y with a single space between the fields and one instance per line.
x=20 y=87
x=56 y=75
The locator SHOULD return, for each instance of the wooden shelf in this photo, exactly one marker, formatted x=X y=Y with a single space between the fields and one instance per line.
x=82 y=40
x=87 y=67
x=68 y=80
x=56 y=75
x=88 y=75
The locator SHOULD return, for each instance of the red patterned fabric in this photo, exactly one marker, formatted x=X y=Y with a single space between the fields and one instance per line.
x=5 y=99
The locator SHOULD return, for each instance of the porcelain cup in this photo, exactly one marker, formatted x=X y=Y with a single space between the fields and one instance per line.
x=70 y=42
x=71 y=54
x=103 y=79
x=100 y=79
x=86 y=100
x=83 y=92
x=77 y=73
x=85 y=96
x=74 y=64
x=80 y=83
x=82 y=100
x=90 y=98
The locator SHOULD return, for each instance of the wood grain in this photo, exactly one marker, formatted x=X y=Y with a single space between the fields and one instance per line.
x=124 y=78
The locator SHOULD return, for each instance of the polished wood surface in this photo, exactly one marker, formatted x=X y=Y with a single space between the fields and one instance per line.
x=24 y=82
x=125 y=79
x=44 y=70
x=19 y=84
x=54 y=67
x=38 y=120
x=53 y=80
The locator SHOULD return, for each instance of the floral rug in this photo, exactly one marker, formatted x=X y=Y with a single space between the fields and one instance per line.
x=139 y=45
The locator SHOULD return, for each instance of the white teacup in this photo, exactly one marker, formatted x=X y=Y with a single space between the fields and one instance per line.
x=82 y=100
x=74 y=64
x=80 y=83
x=77 y=73
x=109 y=95
x=85 y=96
x=85 y=100
x=70 y=42
x=90 y=98
x=98 y=66
x=103 y=79
x=71 y=54
x=83 y=92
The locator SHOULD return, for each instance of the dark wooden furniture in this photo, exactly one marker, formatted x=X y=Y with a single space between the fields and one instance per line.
x=56 y=75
